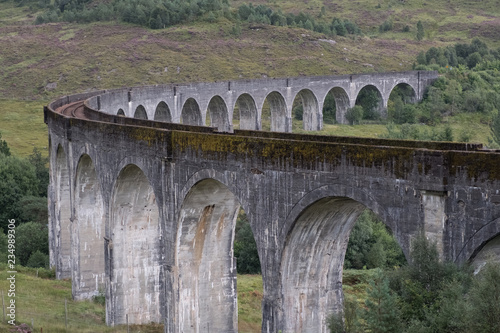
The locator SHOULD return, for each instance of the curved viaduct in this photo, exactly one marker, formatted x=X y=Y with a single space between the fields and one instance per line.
x=145 y=210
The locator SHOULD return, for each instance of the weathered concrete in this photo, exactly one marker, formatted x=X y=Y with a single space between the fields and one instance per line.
x=167 y=195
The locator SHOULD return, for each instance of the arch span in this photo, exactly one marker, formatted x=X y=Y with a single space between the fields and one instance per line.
x=341 y=104
x=191 y=113
x=277 y=105
x=311 y=116
x=204 y=257
x=312 y=264
x=140 y=113
x=371 y=99
x=62 y=221
x=134 y=244
x=162 y=113
x=217 y=110
x=248 y=117
x=89 y=277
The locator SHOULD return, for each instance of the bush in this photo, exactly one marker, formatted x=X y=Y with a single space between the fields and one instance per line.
x=354 y=115
x=38 y=260
x=30 y=238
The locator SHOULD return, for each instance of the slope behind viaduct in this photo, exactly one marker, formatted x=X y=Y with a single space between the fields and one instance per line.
x=145 y=210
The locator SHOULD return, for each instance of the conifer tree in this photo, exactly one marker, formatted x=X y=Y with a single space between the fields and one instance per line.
x=420 y=30
x=382 y=313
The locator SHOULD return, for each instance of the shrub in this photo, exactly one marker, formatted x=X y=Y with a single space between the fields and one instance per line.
x=354 y=115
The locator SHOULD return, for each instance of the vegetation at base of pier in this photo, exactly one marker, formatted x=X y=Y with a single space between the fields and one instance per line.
x=427 y=295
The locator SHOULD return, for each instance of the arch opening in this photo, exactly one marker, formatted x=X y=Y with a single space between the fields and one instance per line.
x=140 y=113
x=62 y=228
x=191 y=113
x=489 y=251
x=135 y=249
x=372 y=102
x=120 y=112
x=205 y=259
x=162 y=113
x=89 y=224
x=400 y=108
x=277 y=114
x=245 y=113
x=305 y=111
x=335 y=106
x=313 y=263
x=217 y=115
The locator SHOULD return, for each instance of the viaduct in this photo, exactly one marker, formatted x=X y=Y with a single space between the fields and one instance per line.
x=143 y=200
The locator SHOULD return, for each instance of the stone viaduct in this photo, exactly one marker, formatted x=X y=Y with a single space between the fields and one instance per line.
x=145 y=210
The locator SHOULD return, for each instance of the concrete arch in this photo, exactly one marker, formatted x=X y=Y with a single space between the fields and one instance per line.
x=163 y=113
x=121 y=113
x=381 y=107
x=204 y=257
x=191 y=113
x=311 y=115
x=279 y=119
x=488 y=251
x=341 y=103
x=140 y=112
x=219 y=117
x=135 y=249
x=249 y=119
x=312 y=263
x=411 y=98
x=62 y=221
x=89 y=226
x=478 y=242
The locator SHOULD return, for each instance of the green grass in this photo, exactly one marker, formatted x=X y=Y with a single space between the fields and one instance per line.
x=22 y=126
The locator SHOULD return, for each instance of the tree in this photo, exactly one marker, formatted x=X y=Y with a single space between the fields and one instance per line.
x=354 y=115
x=42 y=172
x=382 y=314
x=245 y=247
x=31 y=237
x=485 y=300
x=420 y=30
x=495 y=129
x=4 y=148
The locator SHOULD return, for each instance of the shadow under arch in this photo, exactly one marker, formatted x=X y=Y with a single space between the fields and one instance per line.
x=316 y=237
x=88 y=230
x=481 y=245
x=140 y=113
x=248 y=117
x=341 y=104
x=120 y=113
x=311 y=119
x=134 y=250
x=218 y=114
x=278 y=109
x=191 y=113
x=407 y=91
x=372 y=101
x=163 y=113
x=205 y=259
x=62 y=227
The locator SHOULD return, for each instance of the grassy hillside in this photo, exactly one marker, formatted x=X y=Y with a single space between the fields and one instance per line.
x=42 y=62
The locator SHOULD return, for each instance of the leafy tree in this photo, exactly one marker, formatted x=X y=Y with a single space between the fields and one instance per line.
x=42 y=172
x=31 y=237
x=382 y=314
x=485 y=300
x=420 y=30
x=354 y=115
x=329 y=109
x=245 y=247
x=38 y=259
x=369 y=100
x=17 y=180
x=4 y=148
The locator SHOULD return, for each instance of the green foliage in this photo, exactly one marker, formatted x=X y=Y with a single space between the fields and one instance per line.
x=4 y=148
x=329 y=110
x=354 y=115
x=369 y=99
x=420 y=30
x=31 y=237
x=484 y=297
x=371 y=245
x=245 y=247
x=382 y=314
x=386 y=26
x=495 y=129
x=17 y=180
x=38 y=259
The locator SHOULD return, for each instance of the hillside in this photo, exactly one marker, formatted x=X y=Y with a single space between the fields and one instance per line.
x=42 y=62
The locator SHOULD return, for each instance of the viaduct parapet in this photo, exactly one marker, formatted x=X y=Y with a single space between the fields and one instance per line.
x=145 y=210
